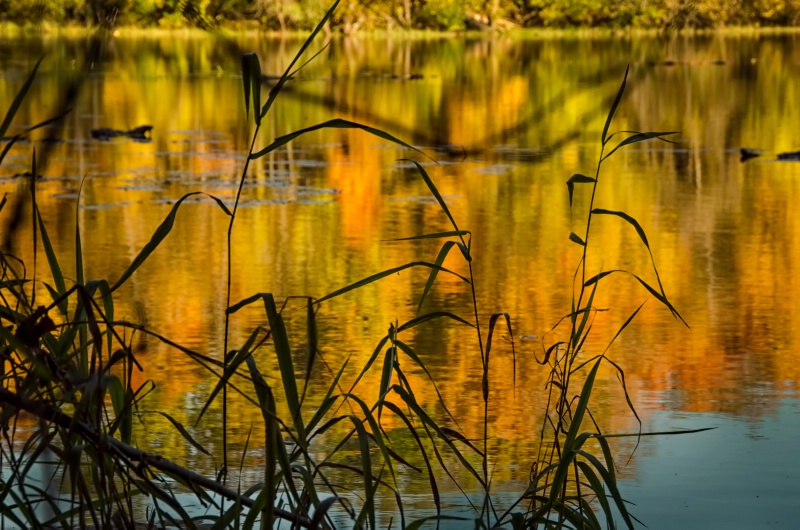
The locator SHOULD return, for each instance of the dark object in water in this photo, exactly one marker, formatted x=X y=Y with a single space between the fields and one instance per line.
x=747 y=154
x=139 y=133
x=791 y=157
x=16 y=139
x=408 y=77
x=25 y=175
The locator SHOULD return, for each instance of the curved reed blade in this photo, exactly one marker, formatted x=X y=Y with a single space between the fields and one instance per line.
x=427 y=317
x=437 y=235
x=434 y=272
x=577 y=178
x=159 y=235
x=611 y=483
x=658 y=296
x=386 y=373
x=18 y=99
x=336 y=123
x=436 y=194
x=642 y=236
x=600 y=492
x=575 y=238
x=570 y=442
x=313 y=343
x=614 y=106
x=182 y=430
x=408 y=350
x=368 y=508
x=268 y=494
x=639 y=137
x=235 y=359
x=492 y=322
x=283 y=352
x=273 y=94
x=52 y=260
x=431 y=477
x=384 y=274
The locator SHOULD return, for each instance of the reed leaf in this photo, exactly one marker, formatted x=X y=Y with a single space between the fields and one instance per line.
x=436 y=194
x=639 y=137
x=427 y=317
x=599 y=492
x=577 y=178
x=614 y=106
x=336 y=123
x=246 y=75
x=182 y=430
x=159 y=235
x=366 y=465
x=575 y=238
x=437 y=235
x=611 y=484
x=384 y=274
x=283 y=352
x=237 y=357
x=434 y=272
x=18 y=99
x=569 y=447
x=266 y=402
x=273 y=94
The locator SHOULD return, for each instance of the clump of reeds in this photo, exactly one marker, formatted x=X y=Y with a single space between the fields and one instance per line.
x=68 y=363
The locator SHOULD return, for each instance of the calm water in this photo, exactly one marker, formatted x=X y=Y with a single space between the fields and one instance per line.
x=509 y=120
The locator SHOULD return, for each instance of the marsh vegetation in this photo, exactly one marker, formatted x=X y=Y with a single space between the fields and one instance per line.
x=293 y=429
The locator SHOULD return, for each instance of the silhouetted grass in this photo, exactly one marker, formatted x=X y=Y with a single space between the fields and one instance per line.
x=69 y=363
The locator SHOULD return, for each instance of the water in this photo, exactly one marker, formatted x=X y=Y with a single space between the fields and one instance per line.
x=510 y=120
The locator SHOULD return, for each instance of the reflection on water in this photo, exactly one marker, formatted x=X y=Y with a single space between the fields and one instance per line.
x=509 y=120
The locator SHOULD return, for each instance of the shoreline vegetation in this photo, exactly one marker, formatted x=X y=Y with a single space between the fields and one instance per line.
x=69 y=398
x=407 y=16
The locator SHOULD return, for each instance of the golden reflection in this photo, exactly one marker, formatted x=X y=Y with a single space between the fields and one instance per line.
x=509 y=120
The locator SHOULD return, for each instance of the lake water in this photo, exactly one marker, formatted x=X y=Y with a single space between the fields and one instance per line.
x=509 y=119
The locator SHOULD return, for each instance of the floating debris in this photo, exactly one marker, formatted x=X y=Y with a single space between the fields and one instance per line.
x=139 y=133
x=790 y=157
x=747 y=154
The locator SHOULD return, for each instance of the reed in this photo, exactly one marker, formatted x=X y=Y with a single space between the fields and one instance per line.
x=69 y=363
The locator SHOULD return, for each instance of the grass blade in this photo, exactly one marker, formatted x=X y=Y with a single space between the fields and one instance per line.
x=434 y=272
x=159 y=235
x=436 y=194
x=52 y=260
x=639 y=137
x=336 y=123
x=575 y=238
x=614 y=106
x=283 y=352
x=438 y=235
x=18 y=99
x=384 y=274
x=577 y=178
x=273 y=94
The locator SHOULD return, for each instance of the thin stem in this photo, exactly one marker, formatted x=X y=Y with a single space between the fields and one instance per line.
x=227 y=305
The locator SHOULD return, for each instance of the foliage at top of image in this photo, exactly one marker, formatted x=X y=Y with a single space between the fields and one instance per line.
x=352 y=16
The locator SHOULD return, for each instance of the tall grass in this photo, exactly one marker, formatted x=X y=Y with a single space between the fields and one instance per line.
x=69 y=364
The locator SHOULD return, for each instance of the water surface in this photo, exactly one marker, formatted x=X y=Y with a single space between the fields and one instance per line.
x=509 y=120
